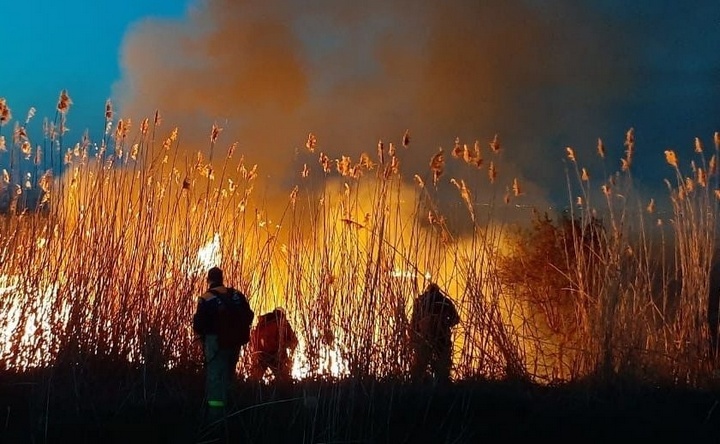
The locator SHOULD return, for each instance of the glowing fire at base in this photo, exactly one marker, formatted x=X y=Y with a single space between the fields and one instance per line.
x=34 y=317
x=36 y=311
x=330 y=363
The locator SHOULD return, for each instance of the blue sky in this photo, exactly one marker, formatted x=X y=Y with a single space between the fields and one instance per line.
x=50 y=45
x=543 y=74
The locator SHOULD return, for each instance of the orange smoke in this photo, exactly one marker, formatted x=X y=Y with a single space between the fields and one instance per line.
x=354 y=74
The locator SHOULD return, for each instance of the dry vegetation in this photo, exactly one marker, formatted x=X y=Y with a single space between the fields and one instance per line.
x=102 y=266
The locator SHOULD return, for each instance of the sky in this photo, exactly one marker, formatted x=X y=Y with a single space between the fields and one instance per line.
x=543 y=75
x=51 y=45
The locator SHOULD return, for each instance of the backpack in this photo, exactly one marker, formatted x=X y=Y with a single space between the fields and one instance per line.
x=234 y=319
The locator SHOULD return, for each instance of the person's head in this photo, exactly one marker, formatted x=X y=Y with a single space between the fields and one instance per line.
x=279 y=312
x=432 y=288
x=215 y=277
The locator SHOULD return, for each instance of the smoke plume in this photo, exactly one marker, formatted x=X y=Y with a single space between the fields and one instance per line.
x=353 y=73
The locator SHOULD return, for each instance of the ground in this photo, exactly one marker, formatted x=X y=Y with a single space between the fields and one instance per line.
x=50 y=406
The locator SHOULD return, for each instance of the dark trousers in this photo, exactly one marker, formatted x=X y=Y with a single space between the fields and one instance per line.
x=433 y=354
x=219 y=375
x=278 y=363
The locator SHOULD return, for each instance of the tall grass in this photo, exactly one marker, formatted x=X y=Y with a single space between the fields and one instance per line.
x=622 y=288
x=106 y=267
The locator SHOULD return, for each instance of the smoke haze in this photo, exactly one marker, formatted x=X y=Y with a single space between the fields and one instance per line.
x=543 y=75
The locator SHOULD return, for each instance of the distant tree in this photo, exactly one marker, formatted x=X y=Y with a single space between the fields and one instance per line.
x=554 y=266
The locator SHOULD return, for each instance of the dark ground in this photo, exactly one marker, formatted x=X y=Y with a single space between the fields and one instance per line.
x=79 y=406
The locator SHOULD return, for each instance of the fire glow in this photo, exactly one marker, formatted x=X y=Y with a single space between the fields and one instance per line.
x=112 y=263
x=31 y=317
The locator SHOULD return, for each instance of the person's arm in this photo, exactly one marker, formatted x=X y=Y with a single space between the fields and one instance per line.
x=443 y=306
x=416 y=315
x=200 y=319
x=247 y=309
x=254 y=339
x=452 y=314
x=292 y=338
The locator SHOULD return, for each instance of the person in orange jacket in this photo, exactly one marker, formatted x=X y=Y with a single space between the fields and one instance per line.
x=272 y=343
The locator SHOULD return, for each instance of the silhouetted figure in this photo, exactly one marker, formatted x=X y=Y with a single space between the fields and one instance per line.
x=222 y=320
x=433 y=317
x=273 y=342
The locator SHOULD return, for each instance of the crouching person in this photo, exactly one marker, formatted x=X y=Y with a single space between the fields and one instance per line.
x=273 y=342
x=222 y=320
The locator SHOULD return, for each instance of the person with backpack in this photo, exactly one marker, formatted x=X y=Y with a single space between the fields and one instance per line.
x=222 y=320
x=433 y=317
x=273 y=342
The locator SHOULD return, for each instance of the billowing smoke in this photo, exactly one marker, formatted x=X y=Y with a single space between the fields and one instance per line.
x=542 y=76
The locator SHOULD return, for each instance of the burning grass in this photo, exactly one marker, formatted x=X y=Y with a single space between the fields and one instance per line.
x=104 y=263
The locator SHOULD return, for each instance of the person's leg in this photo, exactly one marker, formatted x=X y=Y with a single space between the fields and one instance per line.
x=284 y=367
x=421 y=359
x=215 y=370
x=274 y=365
x=230 y=378
x=442 y=362
x=260 y=365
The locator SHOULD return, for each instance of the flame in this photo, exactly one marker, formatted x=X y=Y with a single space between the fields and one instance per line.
x=331 y=362
x=322 y=279
x=209 y=255
x=42 y=316
x=408 y=274
x=36 y=312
